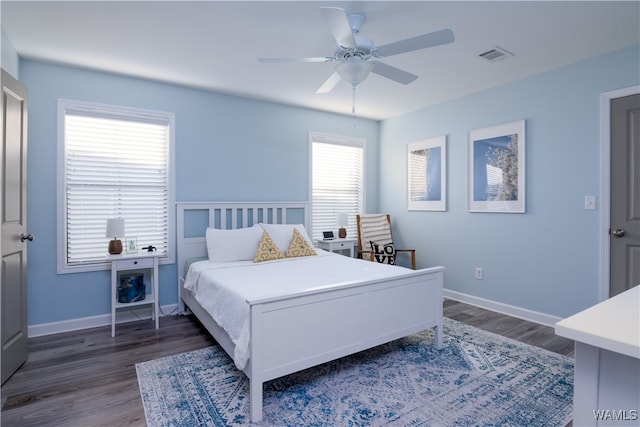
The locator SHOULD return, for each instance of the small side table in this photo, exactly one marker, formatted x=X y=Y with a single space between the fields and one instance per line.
x=338 y=245
x=146 y=262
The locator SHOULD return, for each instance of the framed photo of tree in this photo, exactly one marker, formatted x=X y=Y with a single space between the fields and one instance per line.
x=132 y=244
x=427 y=174
x=496 y=166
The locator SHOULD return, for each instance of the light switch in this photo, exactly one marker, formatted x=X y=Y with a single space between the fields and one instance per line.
x=590 y=202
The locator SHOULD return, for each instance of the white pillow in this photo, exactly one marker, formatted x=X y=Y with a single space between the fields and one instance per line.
x=233 y=245
x=283 y=233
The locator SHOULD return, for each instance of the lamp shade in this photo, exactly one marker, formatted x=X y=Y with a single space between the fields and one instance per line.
x=342 y=220
x=115 y=228
x=354 y=70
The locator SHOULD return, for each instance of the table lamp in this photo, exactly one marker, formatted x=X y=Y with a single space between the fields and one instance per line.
x=115 y=229
x=342 y=223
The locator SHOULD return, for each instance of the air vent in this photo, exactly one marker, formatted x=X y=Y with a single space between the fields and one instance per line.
x=495 y=54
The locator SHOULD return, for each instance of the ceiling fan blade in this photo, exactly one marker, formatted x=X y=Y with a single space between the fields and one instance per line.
x=329 y=84
x=339 y=26
x=281 y=60
x=436 y=38
x=393 y=73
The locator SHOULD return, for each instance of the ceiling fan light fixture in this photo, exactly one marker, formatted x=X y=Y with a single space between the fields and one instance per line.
x=354 y=70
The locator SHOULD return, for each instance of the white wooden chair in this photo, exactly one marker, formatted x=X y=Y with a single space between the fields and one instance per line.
x=375 y=241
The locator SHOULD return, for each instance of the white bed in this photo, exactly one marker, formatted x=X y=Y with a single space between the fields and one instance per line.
x=293 y=328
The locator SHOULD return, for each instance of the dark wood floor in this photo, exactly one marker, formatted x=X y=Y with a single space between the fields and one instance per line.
x=86 y=378
x=517 y=329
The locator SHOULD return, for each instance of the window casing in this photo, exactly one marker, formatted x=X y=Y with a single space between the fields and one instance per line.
x=114 y=162
x=337 y=181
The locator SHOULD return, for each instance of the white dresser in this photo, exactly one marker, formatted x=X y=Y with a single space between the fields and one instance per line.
x=606 y=385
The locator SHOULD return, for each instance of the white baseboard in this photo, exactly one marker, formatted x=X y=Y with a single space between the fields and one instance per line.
x=95 y=321
x=510 y=310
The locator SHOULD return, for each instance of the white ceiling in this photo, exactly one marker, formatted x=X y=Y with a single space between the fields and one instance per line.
x=215 y=45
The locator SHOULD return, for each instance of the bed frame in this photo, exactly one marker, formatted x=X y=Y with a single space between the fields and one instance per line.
x=329 y=323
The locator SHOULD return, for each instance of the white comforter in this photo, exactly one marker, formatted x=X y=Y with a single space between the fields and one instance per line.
x=226 y=290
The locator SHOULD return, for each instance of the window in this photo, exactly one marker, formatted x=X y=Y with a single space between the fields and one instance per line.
x=337 y=181
x=115 y=162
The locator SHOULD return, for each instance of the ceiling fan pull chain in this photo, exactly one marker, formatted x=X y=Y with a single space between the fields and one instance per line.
x=353 y=100
x=353 y=103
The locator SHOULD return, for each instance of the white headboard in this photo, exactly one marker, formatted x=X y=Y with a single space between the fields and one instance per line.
x=193 y=218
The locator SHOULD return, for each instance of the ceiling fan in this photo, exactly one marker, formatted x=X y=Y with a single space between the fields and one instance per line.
x=354 y=52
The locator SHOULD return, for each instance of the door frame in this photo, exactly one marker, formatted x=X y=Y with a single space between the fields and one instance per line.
x=605 y=183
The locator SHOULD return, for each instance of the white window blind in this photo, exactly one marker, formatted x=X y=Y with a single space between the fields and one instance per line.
x=337 y=182
x=116 y=165
x=418 y=161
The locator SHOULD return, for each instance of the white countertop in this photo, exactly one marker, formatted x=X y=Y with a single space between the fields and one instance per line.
x=613 y=324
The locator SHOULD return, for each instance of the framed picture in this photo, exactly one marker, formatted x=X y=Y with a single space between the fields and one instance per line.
x=427 y=174
x=497 y=168
x=131 y=244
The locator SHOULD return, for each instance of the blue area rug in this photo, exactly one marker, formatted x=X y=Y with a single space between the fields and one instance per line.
x=477 y=378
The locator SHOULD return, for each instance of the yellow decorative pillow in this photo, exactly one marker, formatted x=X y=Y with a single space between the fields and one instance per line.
x=267 y=249
x=299 y=246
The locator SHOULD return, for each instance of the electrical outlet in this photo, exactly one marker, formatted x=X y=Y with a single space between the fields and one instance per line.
x=478 y=273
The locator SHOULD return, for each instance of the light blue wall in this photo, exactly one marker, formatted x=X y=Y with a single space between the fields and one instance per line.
x=9 y=57
x=547 y=259
x=231 y=148
x=227 y=148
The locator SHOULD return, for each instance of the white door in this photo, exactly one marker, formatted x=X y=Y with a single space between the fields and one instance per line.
x=13 y=219
x=625 y=194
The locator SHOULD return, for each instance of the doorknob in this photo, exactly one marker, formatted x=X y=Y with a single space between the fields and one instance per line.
x=28 y=237
x=618 y=233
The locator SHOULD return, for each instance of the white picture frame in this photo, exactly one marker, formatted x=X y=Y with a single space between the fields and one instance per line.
x=427 y=174
x=131 y=244
x=496 y=168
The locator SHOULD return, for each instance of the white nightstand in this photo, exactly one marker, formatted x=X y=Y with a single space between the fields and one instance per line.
x=338 y=245
x=147 y=264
